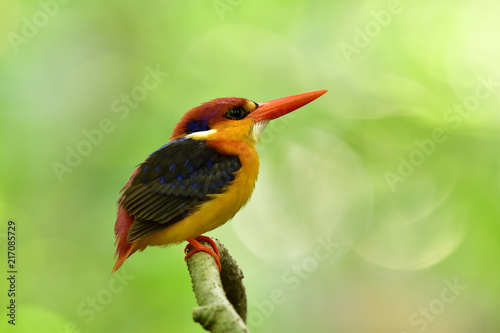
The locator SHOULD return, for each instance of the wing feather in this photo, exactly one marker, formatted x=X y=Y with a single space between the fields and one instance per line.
x=173 y=182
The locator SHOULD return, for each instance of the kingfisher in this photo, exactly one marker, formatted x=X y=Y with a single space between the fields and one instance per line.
x=200 y=179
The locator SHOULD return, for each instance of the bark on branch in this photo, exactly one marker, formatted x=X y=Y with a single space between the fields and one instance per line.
x=221 y=297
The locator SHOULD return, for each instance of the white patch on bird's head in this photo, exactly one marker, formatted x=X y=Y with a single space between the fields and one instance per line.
x=257 y=129
x=203 y=135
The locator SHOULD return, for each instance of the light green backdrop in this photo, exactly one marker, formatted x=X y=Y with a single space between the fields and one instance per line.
x=376 y=209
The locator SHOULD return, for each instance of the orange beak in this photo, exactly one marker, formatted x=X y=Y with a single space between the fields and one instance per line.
x=281 y=106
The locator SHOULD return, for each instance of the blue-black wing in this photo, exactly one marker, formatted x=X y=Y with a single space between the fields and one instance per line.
x=173 y=182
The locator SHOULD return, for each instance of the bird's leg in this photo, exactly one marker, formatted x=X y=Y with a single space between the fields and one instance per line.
x=197 y=246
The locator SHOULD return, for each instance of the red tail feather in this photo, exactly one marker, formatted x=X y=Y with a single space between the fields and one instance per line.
x=123 y=222
x=123 y=248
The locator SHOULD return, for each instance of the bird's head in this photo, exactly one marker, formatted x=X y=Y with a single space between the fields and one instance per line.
x=235 y=118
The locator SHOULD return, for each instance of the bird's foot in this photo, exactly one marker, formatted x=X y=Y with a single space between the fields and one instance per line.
x=197 y=246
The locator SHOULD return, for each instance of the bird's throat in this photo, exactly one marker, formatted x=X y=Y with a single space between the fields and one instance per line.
x=257 y=129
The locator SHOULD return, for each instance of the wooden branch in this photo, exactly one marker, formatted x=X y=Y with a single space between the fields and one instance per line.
x=221 y=297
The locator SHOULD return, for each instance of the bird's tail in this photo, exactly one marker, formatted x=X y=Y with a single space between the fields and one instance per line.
x=122 y=225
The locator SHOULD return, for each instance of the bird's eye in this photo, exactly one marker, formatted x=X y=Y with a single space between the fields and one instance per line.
x=236 y=113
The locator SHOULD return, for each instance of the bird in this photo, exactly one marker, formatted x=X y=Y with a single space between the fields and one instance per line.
x=200 y=178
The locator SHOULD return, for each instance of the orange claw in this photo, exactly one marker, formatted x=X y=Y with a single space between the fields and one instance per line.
x=197 y=246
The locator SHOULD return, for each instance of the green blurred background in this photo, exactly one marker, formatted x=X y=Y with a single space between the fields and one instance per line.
x=376 y=209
